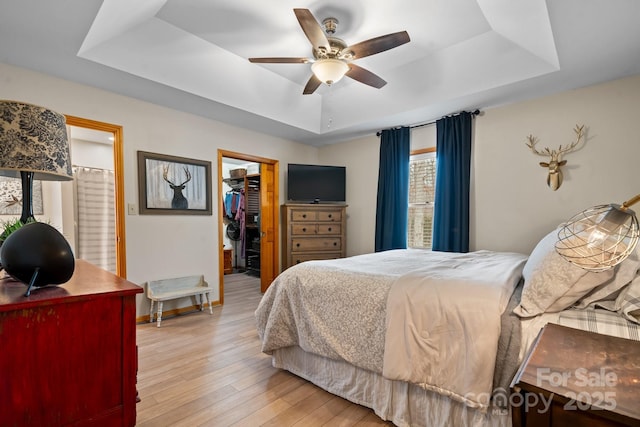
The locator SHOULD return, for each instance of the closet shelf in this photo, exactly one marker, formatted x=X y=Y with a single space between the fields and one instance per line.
x=235 y=183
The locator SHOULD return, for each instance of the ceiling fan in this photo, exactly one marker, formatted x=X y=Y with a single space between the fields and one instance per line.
x=332 y=56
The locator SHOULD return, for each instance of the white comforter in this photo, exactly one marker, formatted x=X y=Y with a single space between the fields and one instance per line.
x=338 y=309
x=443 y=323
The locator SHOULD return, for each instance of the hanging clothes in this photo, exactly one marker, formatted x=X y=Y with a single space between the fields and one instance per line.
x=241 y=218
x=230 y=203
x=226 y=204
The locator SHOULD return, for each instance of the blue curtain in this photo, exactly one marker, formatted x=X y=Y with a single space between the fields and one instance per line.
x=393 y=189
x=453 y=159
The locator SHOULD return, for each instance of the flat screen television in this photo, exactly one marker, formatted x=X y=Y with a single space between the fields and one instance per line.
x=316 y=183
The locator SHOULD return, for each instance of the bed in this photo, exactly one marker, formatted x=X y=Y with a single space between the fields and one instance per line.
x=430 y=338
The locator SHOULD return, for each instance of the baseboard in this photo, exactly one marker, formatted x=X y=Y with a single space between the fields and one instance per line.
x=177 y=312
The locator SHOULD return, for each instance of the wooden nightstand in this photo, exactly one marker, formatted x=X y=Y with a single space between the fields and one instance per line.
x=578 y=378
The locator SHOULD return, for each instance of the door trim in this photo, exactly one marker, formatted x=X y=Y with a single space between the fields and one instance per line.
x=118 y=172
x=273 y=204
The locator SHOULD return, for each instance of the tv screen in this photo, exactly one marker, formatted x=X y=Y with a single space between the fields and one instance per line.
x=315 y=183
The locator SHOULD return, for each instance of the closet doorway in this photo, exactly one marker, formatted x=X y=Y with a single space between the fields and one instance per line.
x=254 y=232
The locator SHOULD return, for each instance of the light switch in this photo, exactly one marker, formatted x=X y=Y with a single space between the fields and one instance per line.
x=131 y=209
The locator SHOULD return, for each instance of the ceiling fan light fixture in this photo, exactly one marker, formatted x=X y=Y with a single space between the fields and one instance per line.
x=329 y=70
x=332 y=56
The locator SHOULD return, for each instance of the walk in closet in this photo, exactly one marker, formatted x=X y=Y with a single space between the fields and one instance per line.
x=242 y=219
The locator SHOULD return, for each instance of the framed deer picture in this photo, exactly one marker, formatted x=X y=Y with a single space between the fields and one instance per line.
x=170 y=185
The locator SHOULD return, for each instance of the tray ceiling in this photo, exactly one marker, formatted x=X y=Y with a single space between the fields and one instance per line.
x=192 y=55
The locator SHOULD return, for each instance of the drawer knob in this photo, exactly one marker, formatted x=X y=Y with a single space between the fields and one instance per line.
x=298 y=261
x=329 y=215
x=298 y=245
x=335 y=243
x=304 y=230
x=329 y=228
x=304 y=215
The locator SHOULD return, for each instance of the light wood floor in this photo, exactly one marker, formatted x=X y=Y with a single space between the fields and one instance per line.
x=204 y=370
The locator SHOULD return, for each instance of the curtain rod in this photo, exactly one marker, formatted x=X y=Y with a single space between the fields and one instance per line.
x=92 y=168
x=473 y=113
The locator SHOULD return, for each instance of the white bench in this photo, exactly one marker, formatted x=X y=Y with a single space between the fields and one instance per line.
x=167 y=289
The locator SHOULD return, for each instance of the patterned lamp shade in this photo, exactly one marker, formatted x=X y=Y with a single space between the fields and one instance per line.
x=33 y=139
x=33 y=145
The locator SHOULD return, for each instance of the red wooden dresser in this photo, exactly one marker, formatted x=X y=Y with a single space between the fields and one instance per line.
x=68 y=353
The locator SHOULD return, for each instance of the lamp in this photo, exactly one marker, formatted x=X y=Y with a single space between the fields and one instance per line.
x=329 y=70
x=600 y=237
x=33 y=145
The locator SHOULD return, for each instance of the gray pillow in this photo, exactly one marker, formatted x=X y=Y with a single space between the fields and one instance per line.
x=624 y=273
x=546 y=245
x=628 y=302
x=556 y=284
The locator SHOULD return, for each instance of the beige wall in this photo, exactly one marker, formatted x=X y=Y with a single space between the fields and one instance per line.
x=511 y=205
x=158 y=246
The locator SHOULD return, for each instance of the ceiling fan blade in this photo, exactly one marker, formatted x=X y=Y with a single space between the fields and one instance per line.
x=279 y=60
x=365 y=76
x=378 y=44
x=312 y=85
x=312 y=29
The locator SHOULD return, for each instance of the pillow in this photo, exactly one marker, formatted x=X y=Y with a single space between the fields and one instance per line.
x=628 y=302
x=545 y=245
x=556 y=284
x=624 y=273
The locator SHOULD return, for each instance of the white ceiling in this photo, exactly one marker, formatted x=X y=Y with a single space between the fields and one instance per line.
x=191 y=55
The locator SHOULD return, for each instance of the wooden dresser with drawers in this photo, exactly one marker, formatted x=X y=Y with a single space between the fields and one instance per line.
x=312 y=232
x=69 y=355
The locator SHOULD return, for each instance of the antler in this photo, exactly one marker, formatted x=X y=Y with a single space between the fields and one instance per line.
x=165 y=172
x=555 y=154
x=531 y=144
x=186 y=171
x=579 y=133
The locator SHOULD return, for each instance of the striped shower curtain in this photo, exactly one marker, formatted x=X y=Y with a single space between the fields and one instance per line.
x=95 y=213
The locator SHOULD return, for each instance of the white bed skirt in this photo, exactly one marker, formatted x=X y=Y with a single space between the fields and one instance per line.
x=402 y=403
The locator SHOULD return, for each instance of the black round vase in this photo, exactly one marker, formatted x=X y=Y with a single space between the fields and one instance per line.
x=37 y=247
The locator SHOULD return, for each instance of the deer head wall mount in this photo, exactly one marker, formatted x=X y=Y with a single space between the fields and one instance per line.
x=554 y=177
x=179 y=201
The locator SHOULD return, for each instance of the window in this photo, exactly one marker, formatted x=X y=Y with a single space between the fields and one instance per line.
x=422 y=186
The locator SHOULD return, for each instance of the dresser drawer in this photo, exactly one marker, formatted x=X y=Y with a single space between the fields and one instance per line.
x=304 y=229
x=302 y=215
x=329 y=229
x=297 y=258
x=316 y=244
x=310 y=215
x=330 y=216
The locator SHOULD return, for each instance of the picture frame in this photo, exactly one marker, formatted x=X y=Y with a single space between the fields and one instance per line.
x=172 y=185
x=11 y=196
